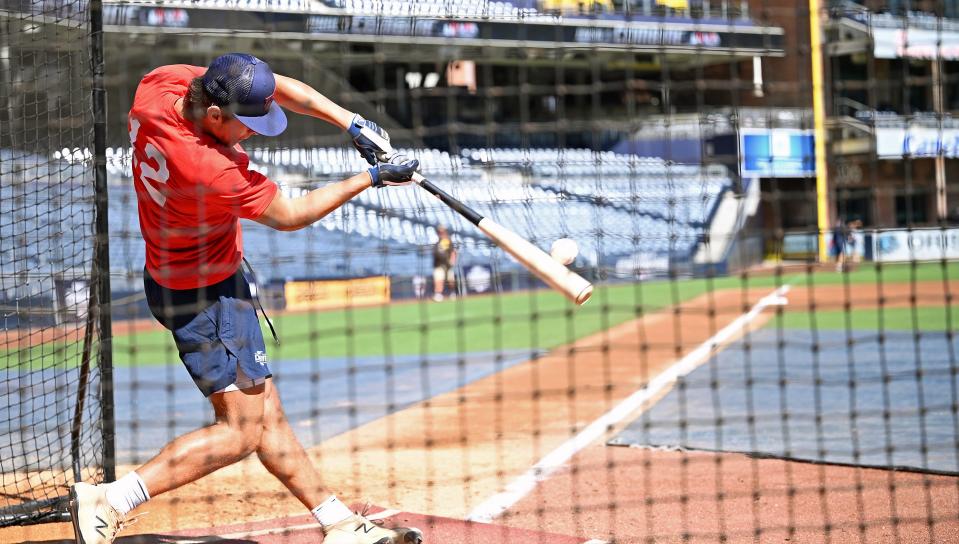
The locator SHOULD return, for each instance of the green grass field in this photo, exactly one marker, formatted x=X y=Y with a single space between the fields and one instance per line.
x=528 y=320
x=923 y=318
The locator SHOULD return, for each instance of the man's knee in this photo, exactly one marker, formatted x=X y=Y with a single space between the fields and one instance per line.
x=246 y=436
x=244 y=417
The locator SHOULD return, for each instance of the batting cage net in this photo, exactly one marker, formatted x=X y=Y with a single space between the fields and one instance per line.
x=758 y=199
x=51 y=405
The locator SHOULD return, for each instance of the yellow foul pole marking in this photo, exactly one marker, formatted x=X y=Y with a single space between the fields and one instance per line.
x=819 y=118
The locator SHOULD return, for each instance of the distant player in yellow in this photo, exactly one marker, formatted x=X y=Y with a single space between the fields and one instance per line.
x=444 y=259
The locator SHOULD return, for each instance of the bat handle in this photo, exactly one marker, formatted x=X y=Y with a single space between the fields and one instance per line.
x=394 y=157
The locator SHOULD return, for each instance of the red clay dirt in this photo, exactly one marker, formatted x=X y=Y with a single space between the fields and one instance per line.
x=447 y=455
x=304 y=530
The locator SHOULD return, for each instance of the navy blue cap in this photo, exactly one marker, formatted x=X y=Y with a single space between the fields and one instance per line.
x=244 y=86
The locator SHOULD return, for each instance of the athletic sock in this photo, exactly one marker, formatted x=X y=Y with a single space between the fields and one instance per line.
x=331 y=511
x=127 y=493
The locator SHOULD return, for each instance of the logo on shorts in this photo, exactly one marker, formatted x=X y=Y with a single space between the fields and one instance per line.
x=260 y=357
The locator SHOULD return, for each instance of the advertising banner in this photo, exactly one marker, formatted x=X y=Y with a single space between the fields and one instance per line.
x=916 y=245
x=73 y=299
x=800 y=246
x=915 y=43
x=325 y=294
x=916 y=142
x=778 y=153
x=479 y=279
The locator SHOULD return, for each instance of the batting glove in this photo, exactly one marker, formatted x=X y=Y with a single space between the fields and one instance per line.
x=393 y=174
x=366 y=141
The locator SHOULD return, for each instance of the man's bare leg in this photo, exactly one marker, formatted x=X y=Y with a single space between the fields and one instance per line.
x=235 y=434
x=283 y=455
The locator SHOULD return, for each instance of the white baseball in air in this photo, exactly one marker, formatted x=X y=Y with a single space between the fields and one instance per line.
x=564 y=250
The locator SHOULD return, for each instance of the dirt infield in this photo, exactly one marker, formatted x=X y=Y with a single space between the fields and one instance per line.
x=69 y=333
x=641 y=496
x=444 y=456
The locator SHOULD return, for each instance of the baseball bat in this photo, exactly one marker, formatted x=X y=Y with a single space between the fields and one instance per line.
x=570 y=284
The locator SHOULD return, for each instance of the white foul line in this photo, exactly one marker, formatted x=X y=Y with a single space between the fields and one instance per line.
x=494 y=506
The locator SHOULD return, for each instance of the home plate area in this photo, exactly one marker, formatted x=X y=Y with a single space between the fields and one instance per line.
x=304 y=530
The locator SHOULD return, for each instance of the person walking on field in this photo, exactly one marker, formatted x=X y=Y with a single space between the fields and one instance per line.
x=838 y=244
x=444 y=259
x=193 y=185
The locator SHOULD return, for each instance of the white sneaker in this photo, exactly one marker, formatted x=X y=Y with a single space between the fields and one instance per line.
x=94 y=520
x=357 y=529
x=438 y=297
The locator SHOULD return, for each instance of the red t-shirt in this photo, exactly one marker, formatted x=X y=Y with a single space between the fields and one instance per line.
x=191 y=189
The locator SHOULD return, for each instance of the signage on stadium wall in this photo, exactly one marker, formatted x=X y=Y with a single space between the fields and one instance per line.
x=479 y=278
x=896 y=143
x=325 y=294
x=609 y=33
x=915 y=245
x=658 y=35
x=777 y=153
x=915 y=43
x=799 y=245
x=72 y=299
x=146 y=16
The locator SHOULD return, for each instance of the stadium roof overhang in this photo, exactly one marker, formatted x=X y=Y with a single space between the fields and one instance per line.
x=544 y=38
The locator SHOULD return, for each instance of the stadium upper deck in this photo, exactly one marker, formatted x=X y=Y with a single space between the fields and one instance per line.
x=895 y=109
x=360 y=52
x=725 y=11
x=717 y=27
x=899 y=8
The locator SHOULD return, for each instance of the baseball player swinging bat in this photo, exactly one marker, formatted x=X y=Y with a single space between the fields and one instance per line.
x=537 y=261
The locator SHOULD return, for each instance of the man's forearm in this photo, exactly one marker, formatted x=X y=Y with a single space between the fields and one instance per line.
x=317 y=204
x=299 y=97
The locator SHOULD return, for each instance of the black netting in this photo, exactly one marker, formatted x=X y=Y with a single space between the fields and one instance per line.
x=50 y=397
x=767 y=214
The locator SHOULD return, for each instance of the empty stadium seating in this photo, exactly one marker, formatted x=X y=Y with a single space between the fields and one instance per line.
x=613 y=205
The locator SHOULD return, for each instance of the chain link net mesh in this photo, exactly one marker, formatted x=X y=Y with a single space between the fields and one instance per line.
x=50 y=403
x=768 y=355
